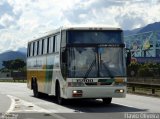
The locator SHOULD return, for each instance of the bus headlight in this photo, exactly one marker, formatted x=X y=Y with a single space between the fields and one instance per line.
x=77 y=93
x=119 y=91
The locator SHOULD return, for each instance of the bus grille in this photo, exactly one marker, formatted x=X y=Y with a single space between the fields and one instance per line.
x=99 y=83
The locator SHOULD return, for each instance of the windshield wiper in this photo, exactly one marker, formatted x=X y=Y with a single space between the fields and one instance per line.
x=109 y=72
x=91 y=66
x=89 y=69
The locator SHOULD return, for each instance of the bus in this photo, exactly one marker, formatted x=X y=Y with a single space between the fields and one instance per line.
x=78 y=63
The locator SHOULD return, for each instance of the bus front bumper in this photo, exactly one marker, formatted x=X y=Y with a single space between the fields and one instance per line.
x=95 y=92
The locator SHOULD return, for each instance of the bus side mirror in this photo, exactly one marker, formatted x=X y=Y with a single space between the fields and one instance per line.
x=128 y=58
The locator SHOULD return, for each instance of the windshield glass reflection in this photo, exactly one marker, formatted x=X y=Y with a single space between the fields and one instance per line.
x=111 y=62
x=95 y=62
x=80 y=60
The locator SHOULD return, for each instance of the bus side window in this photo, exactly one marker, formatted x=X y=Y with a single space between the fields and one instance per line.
x=45 y=46
x=40 y=48
x=31 y=49
x=56 y=61
x=53 y=48
x=28 y=51
x=35 y=48
x=57 y=43
x=50 y=48
x=63 y=39
x=48 y=42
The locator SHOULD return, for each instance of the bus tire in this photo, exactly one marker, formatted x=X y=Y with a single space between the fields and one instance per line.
x=35 y=89
x=107 y=100
x=59 y=99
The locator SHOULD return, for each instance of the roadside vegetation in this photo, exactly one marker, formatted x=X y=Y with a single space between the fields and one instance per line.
x=12 y=65
x=144 y=78
x=144 y=70
x=13 y=71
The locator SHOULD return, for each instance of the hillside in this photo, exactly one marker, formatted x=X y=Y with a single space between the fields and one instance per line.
x=131 y=32
x=22 y=50
x=11 y=55
x=150 y=27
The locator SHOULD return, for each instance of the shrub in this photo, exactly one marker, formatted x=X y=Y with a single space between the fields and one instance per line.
x=145 y=71
x=133 y=67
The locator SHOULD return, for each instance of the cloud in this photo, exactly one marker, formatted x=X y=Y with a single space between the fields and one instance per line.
x=7 y=43
x=10 y=41
x=1 y=27
x=7 y=16
x=138 y=15
x=95 y=11
x=6 y=20
x=5 y=8
x=2 y=2
x=127 y=14
x=21 y=20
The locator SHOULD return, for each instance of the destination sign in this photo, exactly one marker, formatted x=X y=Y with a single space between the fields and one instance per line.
x=111 y=45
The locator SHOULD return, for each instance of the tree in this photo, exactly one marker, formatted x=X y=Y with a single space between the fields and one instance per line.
x=16 y=64
x=7 y=64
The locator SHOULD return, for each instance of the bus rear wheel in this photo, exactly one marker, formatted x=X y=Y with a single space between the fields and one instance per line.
x=107 y=100
x=35 y=90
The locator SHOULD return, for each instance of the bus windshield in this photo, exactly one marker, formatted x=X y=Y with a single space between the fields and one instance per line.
x=94 y=37
x=95 y=62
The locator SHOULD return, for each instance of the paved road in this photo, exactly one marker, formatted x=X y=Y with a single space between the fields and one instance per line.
x=5 y=103
x=27 y=106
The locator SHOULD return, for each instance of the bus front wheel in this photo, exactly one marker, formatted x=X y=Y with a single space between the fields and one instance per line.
x=107 y=100
x=60 y=100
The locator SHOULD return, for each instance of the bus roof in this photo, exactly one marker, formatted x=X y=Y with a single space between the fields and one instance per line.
x=49 y=33
x=89 y=28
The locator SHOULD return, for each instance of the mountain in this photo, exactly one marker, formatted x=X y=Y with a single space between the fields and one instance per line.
x=11 y=55
x=22 y=50
x=150 y=27
x=131 y=32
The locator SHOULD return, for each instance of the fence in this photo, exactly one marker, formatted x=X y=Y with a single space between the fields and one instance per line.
x=17 y=76
x=13 y=76
x=144 y=85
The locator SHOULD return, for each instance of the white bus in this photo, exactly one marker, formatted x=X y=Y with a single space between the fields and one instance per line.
x=78 y=63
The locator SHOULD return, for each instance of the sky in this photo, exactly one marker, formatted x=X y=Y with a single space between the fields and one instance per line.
x=23 y=20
